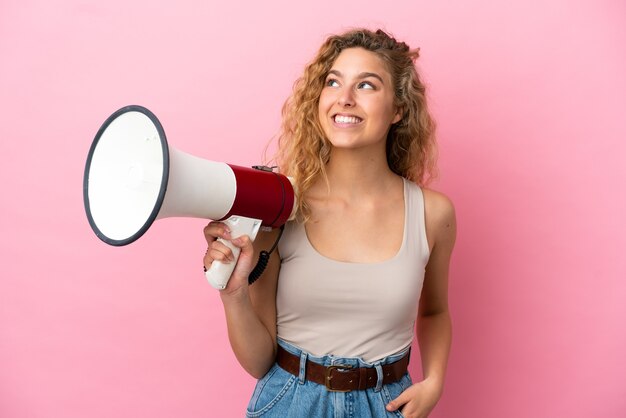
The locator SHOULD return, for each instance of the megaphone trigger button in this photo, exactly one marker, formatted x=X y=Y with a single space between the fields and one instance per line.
x=264 y=168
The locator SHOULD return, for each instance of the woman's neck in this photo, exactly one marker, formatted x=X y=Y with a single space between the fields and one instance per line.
x=353 y=173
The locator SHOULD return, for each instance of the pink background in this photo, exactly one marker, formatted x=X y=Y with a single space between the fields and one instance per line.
x=530 y=98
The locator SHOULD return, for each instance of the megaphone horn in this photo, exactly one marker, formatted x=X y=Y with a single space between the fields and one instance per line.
x=132 y=177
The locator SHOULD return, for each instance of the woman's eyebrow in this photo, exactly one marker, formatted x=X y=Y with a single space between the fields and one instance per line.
x=366 y=75
x=360 y=76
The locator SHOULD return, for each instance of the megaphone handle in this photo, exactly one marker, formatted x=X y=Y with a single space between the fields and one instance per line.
x=219 y=273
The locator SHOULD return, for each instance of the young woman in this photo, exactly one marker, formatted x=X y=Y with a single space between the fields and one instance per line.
x=327 y=328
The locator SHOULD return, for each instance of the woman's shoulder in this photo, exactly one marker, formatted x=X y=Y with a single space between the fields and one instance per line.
x=439 y=210
x=437 y=199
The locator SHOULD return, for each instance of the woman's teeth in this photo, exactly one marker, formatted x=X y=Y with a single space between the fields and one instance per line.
x=346 y=119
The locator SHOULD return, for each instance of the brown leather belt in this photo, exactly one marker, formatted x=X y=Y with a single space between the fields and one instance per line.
x=341 y=377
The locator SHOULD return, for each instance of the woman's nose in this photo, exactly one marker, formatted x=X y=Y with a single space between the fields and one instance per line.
x=346 y=98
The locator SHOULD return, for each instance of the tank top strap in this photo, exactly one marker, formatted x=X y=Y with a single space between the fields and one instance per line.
x=416 y=221
x=293 y=242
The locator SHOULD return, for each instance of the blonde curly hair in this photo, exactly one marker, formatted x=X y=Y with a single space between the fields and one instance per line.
x=303 y=149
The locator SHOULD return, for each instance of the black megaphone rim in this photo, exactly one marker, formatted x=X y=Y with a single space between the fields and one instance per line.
x=164 y=179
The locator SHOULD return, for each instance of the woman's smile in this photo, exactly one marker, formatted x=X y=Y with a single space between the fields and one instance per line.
x=346 y=121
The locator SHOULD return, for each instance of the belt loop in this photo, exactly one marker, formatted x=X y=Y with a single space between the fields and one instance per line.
x=379 y=377
x=302 y=373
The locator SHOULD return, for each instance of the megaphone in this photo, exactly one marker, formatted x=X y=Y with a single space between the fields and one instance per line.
x=132 y=178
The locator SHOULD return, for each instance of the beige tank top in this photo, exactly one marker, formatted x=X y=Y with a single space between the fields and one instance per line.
x=365 y=310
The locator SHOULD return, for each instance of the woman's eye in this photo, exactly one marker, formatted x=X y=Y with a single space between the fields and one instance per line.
x=332 y=82
x=366 y=85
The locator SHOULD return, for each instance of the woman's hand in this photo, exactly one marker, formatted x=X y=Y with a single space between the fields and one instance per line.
x=418 y=400
x=216 y=250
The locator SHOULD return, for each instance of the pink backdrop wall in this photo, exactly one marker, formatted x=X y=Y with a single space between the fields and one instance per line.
x=531 y=100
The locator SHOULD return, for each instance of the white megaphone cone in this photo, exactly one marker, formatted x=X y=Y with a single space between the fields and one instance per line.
x=133 y=178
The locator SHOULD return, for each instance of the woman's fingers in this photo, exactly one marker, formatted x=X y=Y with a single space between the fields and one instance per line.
x=215 y=230
x=244 y=243
x=217 y=250
x=244 y=265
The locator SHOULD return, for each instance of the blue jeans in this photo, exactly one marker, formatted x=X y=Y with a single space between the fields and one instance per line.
x=281 y=394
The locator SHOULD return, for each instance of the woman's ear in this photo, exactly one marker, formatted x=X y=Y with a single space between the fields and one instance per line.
x=397 y=117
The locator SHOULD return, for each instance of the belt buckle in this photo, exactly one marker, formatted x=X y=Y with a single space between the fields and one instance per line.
x=328 y=376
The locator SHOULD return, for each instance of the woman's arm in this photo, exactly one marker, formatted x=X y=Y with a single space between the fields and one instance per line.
x=250 y=310
x=433 y=321
x=434 y=330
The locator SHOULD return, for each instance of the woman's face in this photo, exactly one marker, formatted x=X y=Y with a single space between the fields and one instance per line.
x=356 y=106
